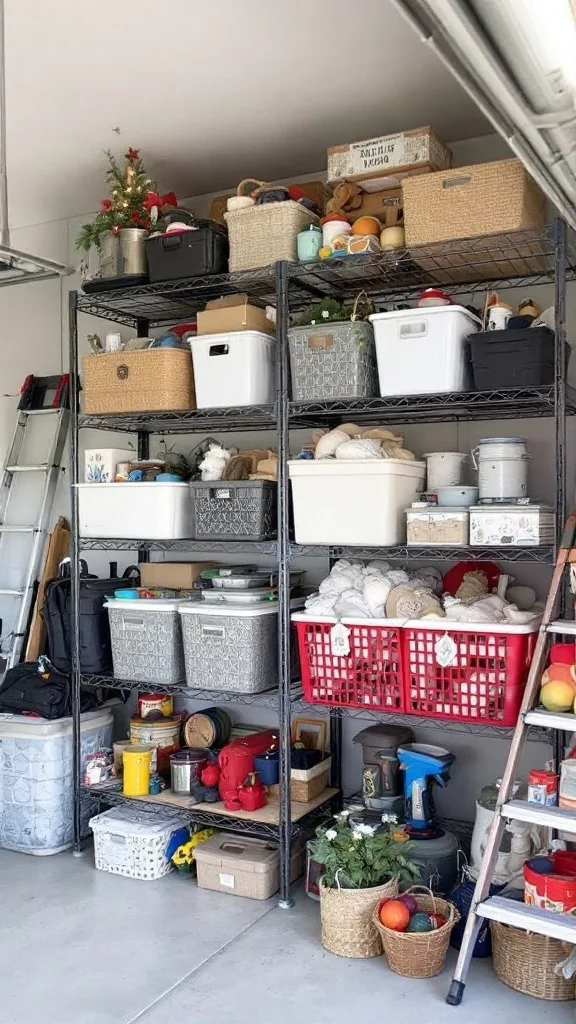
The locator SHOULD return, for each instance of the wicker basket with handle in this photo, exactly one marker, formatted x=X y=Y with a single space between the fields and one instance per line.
x=147 y=380
x=347 y=919
x=261 y=234
x=496 y=199
x=419 y=954
x=525 y=962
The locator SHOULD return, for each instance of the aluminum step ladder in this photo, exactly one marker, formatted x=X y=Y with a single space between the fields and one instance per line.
x=498 y=908
x=46 y=397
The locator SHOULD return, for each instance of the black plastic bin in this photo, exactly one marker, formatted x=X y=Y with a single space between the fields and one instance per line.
x=192 y=253
x=512 y=359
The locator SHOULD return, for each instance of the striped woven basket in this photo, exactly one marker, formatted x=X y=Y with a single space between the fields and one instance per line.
x=147 y=380
x=260 y=235
x=525 y=962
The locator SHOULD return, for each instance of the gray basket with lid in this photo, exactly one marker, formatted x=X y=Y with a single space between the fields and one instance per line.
x=146 y=640
x=334 y=360
x=233 y=509
x=231 y=648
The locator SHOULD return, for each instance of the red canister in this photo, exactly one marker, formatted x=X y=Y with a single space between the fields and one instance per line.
x=542 y=787
x=550 y=881
x=155 y=705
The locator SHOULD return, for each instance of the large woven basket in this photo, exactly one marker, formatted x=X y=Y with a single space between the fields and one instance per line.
x=415 y=954
x=259 y=235
x=525 y=962
x=494 y=199
x=148 y=380
x=347 y=919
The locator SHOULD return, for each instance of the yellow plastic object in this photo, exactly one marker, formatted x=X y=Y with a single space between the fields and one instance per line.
x=136 y=762
x=557 y=696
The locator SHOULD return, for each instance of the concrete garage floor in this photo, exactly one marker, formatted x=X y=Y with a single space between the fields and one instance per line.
x=79 y=946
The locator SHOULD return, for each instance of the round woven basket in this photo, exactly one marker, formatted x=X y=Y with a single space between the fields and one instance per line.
x=525 y=962
x=347 y=919
x=415 y=954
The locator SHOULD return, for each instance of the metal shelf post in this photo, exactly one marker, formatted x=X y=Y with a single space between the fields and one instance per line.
x=75 y=569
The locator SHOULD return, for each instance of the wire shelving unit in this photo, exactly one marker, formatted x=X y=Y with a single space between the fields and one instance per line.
x=464 y=267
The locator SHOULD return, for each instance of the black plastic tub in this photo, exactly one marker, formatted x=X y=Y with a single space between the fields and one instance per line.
x=512 y=359
x=193 y=253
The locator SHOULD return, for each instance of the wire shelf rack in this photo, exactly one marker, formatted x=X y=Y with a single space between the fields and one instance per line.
x=265 y=547
x=543 y=554
x=267 y=698
x=257 y=417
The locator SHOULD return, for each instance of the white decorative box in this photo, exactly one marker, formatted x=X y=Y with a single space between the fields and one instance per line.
x=100 y=463
x=511 y=525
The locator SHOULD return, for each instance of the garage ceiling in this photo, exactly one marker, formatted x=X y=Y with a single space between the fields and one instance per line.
x=211 y=92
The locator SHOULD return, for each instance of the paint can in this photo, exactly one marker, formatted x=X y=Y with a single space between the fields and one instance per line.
x=161 y=733
x=444 y=469
x=155 y=705
x=542 y=787
x=502 y=464
x=136 y=763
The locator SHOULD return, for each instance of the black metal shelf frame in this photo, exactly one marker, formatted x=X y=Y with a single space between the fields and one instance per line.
x=265 y=699
x=463 y=267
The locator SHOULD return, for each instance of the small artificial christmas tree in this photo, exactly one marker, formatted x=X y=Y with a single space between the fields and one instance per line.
x=133 y=203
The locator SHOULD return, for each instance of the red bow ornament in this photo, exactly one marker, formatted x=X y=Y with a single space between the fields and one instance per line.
x=154 y=203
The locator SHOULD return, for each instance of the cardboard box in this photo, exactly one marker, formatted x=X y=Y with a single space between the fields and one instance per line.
x=388 y=157
x=172 y=575
x=233 y=313
x=386 y=205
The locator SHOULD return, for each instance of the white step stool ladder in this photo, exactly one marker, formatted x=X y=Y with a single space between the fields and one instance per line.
x=498 y=908
x=46 y=397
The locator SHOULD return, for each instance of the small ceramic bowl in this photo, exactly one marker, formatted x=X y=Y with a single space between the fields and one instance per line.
x=460 y=496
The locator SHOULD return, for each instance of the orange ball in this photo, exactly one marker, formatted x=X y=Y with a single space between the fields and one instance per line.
x=367 y=226
x=558 y=673
x=394 y=915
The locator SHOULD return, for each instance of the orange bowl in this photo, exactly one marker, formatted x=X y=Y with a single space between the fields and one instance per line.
x=367 y=226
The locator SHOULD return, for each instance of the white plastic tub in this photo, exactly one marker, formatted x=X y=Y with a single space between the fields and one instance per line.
x=132 y=841
x=361 y=501
x=154 y=511
x=37 y=780
x=422 y=351
x=232 y=369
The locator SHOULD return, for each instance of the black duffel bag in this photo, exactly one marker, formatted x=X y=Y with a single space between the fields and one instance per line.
x=36 y=688
x=95 y=648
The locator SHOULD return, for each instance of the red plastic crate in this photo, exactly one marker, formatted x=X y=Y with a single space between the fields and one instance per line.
x=370 y=676
x=483 y=683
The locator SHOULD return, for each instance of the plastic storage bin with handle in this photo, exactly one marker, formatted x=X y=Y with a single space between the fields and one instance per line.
x=360 y=502
x=147 y=511
x=234 y=369
x=146 y=640
x=132 y=841
x=422 y=351
x=244 y=866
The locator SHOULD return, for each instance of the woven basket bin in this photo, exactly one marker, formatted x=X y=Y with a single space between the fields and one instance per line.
x=150 y=380
x=419 y=954
x=493 y=199
x=347 y=919
x=525 y=962
x=260 y=235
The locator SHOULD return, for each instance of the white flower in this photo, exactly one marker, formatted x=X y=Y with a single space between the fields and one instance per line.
x=391 y=818
x=365 y=830
x=342 y=816
x=331 y=834
x=325 y=314
x=312 y=322
x=357 y=835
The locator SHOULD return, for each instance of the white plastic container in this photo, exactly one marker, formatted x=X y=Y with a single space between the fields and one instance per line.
x=422 y=351
x=146 y=640
x=357 y=502
x=511 y=525
x=445 y=469
x=437 y=527
x=37 y=780
x=233 y=369
x=100 y=463
x=132 y=841
x=502 y=464
x=146 y=511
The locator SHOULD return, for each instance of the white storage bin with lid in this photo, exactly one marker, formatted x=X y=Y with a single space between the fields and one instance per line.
x=234 y=369
x=511 y=525
x=146 y=640
x=437 y=527
x=132 y=841
x=360 y=501
x=232 y=647
x=143 y=511
x=37 y=779
x=422 y=351
x=244 y=866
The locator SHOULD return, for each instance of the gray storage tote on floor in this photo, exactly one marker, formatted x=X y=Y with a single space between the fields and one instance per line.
x=231 y=648
x=233 y=510
x=146 y=640
x=334 y=360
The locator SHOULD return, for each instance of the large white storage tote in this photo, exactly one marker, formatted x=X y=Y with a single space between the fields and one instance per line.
x=233 y=369
x=132 y=841
x=422 y=351
x=146 y=640
x=37 y=779
x=143 y=511
x=361 y=501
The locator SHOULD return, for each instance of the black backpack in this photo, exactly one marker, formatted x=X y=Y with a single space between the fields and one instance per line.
x=95 y=649
x=36 y=688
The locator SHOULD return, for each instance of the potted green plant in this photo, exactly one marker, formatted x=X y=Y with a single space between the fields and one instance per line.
x=362 y=864
x=332 y=351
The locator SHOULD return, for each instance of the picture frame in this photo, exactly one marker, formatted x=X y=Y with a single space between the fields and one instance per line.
x=310 y=732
